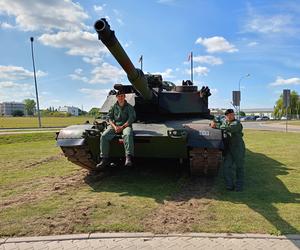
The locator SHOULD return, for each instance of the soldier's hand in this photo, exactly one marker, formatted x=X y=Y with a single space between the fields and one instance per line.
x=118 y=129
x=213 y=124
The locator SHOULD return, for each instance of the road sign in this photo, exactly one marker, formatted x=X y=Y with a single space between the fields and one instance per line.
x=286 y=98
x=236 y=98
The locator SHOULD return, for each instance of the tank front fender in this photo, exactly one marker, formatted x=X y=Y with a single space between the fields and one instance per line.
x=73 y=135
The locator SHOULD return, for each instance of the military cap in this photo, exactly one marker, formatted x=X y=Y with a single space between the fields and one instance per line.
x=120 y=92
x=229 y=111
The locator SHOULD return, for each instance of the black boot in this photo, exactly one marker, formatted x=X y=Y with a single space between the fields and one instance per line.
x=103 y=163
x=128 y=162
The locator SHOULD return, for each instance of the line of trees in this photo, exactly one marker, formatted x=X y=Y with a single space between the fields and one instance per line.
x=30 y=108
x=293 y=110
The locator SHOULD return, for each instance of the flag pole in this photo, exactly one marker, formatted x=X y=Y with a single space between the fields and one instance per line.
x=141 y=61
x=192 y=67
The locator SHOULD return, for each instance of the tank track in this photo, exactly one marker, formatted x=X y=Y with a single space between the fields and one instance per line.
x=81 y=156
x=204 y=161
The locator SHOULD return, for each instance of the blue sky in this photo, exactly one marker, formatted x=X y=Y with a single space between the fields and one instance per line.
x=229 y=40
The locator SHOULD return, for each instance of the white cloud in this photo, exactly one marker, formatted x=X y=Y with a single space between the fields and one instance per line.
x=202 y=71
x=94 y=93
x=214 y=91
x=281 y=81
x=6 y=25
x=92 y=60
x=252 y=44
x=17 y=73
x=107 y=73
x=104 y=74
x=165 y=74
x=212 y=60
x=216 y=44
x=99 y=8
x=11 y=91
x=33 y=15
x=269 y=24
x=79 y=43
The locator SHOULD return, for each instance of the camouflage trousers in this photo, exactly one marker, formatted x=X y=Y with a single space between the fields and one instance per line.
x=109 y=134
x=234 y=158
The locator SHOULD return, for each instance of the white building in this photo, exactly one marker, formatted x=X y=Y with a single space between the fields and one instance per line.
x=255 y=111
x=260 y=112
x=70 y=110
x=7 y=108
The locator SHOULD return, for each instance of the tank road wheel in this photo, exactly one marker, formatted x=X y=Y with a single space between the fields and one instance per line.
x=205 y=161
x=80 y=156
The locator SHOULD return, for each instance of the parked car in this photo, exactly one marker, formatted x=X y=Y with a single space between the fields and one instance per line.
x=263 y=118
x=283 y=118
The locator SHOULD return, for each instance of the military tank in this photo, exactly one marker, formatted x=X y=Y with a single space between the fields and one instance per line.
x=172 y=121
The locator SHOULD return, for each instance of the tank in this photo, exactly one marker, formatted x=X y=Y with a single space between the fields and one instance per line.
x=172 y=122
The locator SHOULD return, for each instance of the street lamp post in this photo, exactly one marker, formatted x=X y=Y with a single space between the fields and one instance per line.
x=36 y=90
x=239 y=109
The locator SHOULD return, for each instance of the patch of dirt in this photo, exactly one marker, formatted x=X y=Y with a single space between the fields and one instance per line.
x=50 y=185
x=45 y=160
x=183 y=210
x=64 y=222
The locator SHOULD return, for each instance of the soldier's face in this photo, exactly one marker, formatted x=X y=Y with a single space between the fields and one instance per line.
x=121 y=98
x=230 y=117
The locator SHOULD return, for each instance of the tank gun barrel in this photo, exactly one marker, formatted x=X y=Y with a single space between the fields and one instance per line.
x=135 y=76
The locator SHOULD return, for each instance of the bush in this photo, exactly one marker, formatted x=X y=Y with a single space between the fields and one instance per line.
x=17 y=113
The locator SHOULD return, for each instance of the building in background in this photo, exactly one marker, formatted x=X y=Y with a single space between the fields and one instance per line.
x=260 y=112
x=7 y=108
x=249 y=112
x=70 y=110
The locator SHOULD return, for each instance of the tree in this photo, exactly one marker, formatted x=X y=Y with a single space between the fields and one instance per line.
x=94 y=112
x=29 y=106
x=242 y=113
x=17 y=113
x=294 y=108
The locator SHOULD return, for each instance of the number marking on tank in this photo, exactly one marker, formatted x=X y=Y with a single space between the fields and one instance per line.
x=204 y=132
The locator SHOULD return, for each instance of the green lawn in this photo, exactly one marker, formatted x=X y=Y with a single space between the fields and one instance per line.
x=42 y=193
x=32 y=122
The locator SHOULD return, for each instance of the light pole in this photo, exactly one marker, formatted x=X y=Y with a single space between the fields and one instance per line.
x=239 y=109
x=36 y=90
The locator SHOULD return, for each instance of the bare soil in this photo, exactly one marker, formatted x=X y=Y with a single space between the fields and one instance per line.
x=183 y=210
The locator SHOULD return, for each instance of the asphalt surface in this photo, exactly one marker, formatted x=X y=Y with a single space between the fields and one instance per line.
x=152 y=241
x=276 y=126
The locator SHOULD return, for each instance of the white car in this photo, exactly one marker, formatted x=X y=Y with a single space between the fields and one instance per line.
x=283 y=118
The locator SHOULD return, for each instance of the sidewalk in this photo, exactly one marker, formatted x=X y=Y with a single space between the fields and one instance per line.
x=153 y=241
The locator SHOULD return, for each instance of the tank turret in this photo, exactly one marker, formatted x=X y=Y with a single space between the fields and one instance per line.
x=135 y=76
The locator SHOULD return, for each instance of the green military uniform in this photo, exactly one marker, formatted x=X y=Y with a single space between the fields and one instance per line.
x=234 y=153
x=119 y=115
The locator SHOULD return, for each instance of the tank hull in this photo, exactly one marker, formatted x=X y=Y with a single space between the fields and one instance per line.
x=191 y=141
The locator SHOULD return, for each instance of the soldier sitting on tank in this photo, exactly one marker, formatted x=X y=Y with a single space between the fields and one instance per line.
x=120 y=117
x=234 y=151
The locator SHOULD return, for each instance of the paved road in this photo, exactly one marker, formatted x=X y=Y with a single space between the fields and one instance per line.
x=270 y=126
x=150 y=241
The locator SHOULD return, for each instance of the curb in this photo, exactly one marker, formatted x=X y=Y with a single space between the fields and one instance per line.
x=145 y=235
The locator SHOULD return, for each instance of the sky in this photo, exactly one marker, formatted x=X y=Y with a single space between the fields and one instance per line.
x=229 y=40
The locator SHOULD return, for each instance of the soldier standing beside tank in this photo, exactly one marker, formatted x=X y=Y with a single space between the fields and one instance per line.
x=234 y=152
x=121 y=116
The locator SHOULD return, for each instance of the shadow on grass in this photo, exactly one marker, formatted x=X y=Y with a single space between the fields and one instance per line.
x=162 y=181
x=153 y=179
x=264 y=190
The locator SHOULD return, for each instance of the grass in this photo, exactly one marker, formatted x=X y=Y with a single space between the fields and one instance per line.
x=42 y=193
x=32 y=122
